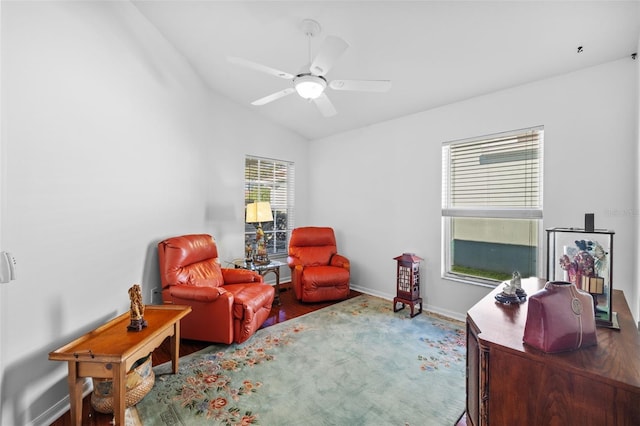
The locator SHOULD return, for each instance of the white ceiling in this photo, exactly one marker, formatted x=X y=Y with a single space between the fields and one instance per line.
x=435 y=52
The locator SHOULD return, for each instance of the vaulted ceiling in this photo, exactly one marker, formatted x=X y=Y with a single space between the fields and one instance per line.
x=434 y=52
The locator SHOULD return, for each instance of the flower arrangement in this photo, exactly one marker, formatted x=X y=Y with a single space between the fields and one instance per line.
x=589 y=261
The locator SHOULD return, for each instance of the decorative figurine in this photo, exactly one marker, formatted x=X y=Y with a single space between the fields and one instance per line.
x=248 y=252
x=137 y=309
x=512 y=292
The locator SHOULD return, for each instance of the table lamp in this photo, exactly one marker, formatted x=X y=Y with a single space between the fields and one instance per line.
x=258 y=212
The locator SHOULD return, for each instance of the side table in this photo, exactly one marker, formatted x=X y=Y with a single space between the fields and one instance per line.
x=272 y=266
x=110 y=350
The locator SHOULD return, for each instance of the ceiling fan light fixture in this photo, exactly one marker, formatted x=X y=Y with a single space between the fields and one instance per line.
x=309 y=86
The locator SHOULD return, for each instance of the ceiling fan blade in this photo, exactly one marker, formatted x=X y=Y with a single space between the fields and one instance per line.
x=361 y=85
x=274 y=96
x=325 y=106
x=332 y=48
x=259 y=67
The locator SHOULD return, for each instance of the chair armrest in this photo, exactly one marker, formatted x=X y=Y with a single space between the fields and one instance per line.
x=199 y=294
x=340 y=261
x=240 y=276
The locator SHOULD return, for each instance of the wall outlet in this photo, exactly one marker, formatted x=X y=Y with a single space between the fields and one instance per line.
x=156 y=296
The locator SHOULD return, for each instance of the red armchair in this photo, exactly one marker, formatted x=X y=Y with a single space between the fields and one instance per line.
x=227 y=305
x=318 y=272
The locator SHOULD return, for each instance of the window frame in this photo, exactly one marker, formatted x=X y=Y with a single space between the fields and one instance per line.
x=282 y=201
x=450 y=212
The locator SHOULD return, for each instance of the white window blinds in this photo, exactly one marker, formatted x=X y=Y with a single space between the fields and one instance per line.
x=498 y=176
x=273 y=181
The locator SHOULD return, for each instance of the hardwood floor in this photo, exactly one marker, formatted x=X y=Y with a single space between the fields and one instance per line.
x=288 y=309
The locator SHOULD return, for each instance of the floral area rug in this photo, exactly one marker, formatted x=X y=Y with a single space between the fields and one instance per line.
x=353 y=363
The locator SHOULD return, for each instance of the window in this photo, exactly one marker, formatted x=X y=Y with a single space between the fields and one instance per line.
x=273 y=181
x=492 y=206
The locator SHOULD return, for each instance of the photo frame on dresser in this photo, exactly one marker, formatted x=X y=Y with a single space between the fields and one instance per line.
x=584 y=258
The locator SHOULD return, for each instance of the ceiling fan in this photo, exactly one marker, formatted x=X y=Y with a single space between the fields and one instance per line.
x=311 y=82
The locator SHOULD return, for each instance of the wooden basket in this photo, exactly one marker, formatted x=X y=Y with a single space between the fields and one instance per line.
x=139 y=381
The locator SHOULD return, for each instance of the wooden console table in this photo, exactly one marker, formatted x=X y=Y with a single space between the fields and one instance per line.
x=509 y=383
x=109 y=351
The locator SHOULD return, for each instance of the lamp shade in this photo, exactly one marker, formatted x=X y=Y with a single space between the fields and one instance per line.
x=260 y=211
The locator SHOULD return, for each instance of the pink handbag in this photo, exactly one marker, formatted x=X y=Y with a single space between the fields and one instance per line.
x=560 y=318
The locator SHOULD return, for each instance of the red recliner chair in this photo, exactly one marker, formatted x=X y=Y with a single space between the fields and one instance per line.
x=318 y=272
x=227 y=305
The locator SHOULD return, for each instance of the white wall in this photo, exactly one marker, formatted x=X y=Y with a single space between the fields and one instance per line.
x=637 y=193
x=390 y=202
x=110 y=142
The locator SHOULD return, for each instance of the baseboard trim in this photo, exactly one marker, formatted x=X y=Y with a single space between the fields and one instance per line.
x=59 y=408
x=426 y=307
x=368 y=291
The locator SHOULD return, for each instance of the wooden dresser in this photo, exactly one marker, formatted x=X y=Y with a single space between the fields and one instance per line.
x=509 y=383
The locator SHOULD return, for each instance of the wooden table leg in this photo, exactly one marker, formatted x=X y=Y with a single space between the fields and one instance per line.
x=75 y=394
x=277 y=287
x=175 y=347
x=119 y=393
